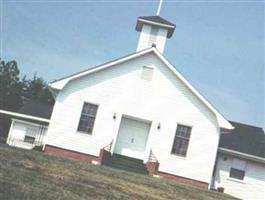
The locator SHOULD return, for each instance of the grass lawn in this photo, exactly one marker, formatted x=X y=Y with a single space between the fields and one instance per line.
x=33 y=175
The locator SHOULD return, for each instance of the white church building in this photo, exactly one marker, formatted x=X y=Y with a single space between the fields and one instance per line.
x=139 y=108
x=142 y=107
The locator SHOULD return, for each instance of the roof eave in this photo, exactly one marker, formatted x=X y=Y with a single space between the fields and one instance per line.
x=31 y=117
x=224 y=123
x=241 y=155
x=54 y=91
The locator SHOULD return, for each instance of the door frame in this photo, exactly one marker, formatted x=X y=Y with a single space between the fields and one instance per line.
x=136 y=119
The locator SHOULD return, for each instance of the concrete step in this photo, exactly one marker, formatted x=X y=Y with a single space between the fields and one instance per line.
x=127 y=164
x=129 y=169
x=117 y=164
x=125 y=158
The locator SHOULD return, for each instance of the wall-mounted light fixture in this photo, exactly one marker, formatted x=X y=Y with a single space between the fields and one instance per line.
x=114 y=116
x=159 y=126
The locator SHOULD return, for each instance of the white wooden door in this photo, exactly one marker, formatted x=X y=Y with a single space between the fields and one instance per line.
x=132 y=138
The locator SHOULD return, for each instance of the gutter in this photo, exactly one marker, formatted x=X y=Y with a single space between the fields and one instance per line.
x=242 y=155
x=15 y=114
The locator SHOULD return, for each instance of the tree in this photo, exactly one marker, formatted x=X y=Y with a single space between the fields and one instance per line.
x=36 y=89
x=10 y=86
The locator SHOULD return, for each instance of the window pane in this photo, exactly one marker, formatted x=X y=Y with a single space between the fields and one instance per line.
x=237 y=173
x=180 y=146
x=29 y=139
x=89 y=109
x=181 y=140
x=183 y=131
x=87 y=118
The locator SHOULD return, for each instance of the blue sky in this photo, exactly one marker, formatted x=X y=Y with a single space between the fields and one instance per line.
x=217 y=45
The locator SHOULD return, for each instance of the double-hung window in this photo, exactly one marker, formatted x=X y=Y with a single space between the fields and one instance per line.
x=237 y=173
x=29 y=139
x=238 y=168
x=181 y=140
x=87 y=119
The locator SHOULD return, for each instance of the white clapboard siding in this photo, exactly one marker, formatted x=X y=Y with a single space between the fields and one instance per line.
x=121 y=90
x=253 y=185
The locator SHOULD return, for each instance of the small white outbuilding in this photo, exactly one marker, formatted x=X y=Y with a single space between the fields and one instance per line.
x=240 y=165
x=29 y=125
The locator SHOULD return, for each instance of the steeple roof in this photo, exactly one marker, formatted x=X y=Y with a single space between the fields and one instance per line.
x=157 y=21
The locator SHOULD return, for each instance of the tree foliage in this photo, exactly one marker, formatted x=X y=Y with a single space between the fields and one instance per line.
x=36 y=89
x=10 y=86
x=14 y=91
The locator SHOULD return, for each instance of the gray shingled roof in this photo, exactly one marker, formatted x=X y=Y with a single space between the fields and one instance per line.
x=245 y=139
x=156 y=19
x=36 y=109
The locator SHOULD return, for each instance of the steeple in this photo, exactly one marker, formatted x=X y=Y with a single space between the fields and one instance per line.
x=154 y=31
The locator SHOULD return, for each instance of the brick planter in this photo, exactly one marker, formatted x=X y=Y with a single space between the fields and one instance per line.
x=57 y=151
x=152 y=168
x=180 y=179
x=104 y=157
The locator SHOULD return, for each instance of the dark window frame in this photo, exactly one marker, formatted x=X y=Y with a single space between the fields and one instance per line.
x=29 y=139
x=178 y=137
x=88 y=116
x=238 y=174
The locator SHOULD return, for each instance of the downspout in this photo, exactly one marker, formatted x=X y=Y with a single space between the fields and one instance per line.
x=40 y=136
x=224 y=131
x=212 y=182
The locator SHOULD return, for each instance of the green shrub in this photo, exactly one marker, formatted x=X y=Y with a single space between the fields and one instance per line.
x=38 y=148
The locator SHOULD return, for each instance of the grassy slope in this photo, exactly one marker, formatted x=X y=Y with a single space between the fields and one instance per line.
x=34 y=175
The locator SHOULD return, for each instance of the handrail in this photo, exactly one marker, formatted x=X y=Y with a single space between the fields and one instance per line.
x=108 y=147
x=152 y=157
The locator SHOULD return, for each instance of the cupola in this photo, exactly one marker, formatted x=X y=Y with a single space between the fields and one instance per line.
x=154 y=31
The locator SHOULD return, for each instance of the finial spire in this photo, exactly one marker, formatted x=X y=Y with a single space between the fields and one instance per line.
x=159 y=7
